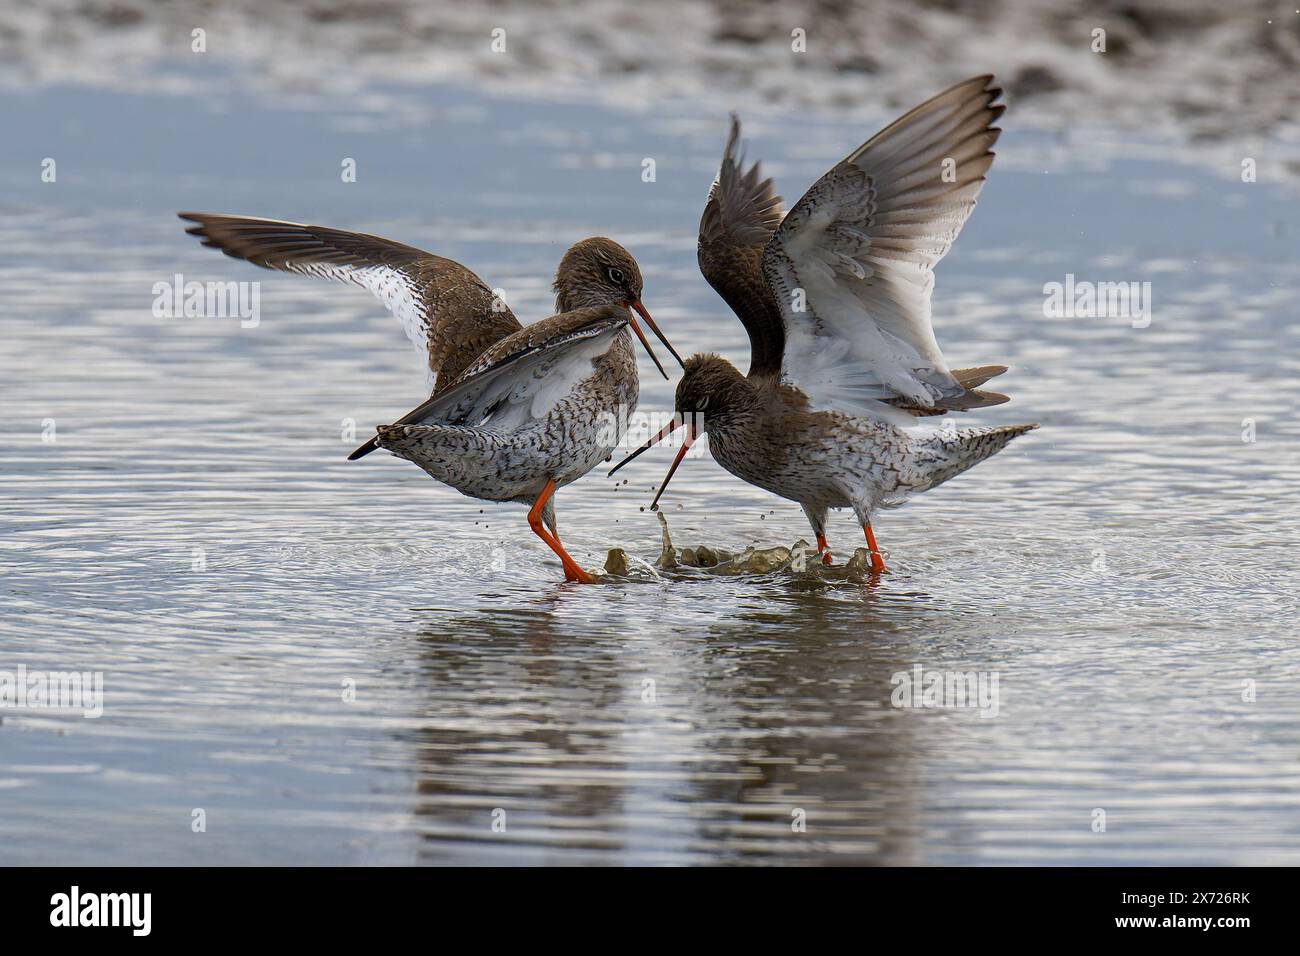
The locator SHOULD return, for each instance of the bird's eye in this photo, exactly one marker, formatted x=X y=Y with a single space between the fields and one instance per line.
x=702 y=404
x=615 y=275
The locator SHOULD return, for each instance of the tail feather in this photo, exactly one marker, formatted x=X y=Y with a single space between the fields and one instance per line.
x=950 y=454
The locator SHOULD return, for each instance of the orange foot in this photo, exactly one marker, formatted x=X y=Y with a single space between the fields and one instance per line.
x=823 y=549
x=877 y=561
x=572 y=570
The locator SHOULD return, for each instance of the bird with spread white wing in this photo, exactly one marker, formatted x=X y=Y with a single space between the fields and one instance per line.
x=845 y=372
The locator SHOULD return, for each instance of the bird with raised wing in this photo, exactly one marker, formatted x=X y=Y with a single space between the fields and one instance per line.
x=516 y=411
x=845 y=372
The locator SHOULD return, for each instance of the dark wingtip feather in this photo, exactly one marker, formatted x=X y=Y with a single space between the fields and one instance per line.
x=977 y=398
x=975 y=377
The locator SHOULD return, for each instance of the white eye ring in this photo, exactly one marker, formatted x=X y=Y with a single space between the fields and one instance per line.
x=615 y=275
x=704 y=403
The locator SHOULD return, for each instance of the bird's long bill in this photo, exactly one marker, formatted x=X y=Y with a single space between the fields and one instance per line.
x=663 y=433
x=641 y=310
x=686 y=446
x=645 y=314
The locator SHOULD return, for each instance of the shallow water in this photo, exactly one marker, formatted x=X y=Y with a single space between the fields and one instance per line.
x=194 y=532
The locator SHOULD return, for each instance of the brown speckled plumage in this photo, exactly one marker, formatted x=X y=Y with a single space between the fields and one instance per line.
x=562 y=445
x=517 y=411
x=835 y=296
x=768 y=435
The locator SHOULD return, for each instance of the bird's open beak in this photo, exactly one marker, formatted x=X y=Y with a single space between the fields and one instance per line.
x=641 y=311
x=663 y=433
x=686 y=446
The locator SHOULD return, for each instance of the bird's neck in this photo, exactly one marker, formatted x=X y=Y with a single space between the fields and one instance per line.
x=572 y=299
x=746 y=403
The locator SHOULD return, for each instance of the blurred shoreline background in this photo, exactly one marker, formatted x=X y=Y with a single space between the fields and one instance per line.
x=1216 y=79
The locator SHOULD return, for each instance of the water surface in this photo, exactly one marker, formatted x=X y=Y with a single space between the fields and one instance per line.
x=195 y=533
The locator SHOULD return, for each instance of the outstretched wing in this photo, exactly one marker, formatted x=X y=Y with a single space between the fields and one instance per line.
x=523 y=376
x=851 y=266
x=448 y=312
x=740 y=216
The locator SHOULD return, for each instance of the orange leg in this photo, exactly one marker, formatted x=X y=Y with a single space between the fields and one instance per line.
x=877 y=562
x=823 y=548
x=572 y=570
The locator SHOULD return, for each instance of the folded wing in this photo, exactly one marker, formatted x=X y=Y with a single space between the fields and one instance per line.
x=851 y=266
x=522 y=377
x=448 y=312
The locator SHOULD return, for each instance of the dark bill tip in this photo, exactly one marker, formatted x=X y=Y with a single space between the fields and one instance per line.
x=649 y=351
x=686 y=446
x=663 y=433
x=645 y=314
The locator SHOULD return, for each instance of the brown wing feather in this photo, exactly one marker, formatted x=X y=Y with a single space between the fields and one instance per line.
x=972 y=398
x=739 y=218
x=449 y=311
x=467 y=318
x=974 y=377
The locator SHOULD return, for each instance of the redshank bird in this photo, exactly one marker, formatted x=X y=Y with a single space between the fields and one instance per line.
x=516 y=412
x=835 y=296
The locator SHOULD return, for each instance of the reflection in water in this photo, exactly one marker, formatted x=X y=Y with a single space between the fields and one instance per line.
x=664 y=751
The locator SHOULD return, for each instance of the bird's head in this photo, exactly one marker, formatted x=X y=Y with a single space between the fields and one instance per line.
x=598 y=272
x=711 y=392
x=711 y=395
